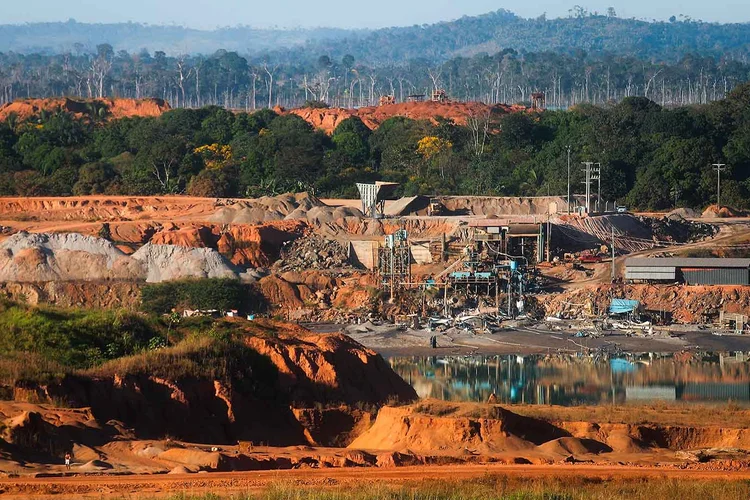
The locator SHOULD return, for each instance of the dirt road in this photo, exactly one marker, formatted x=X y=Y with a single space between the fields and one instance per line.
x=233 y=482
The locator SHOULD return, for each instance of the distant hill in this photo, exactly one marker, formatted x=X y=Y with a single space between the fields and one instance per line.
x=467 y=36
x=72 y=36
x=499 y=30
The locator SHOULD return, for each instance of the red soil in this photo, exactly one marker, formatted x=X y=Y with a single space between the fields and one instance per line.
x=327 y=119
x=118 y=108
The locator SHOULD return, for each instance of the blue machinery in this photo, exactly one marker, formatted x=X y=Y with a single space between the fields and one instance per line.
x=508 y=276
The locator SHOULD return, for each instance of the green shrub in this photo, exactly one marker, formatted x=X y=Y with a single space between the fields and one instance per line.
x=71 y=337
x=219 y=294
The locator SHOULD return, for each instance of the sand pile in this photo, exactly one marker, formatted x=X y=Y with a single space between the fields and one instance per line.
x=28 y=257
x=171 y=262
x=565 y=446
x=300 y=206
x=60 y=257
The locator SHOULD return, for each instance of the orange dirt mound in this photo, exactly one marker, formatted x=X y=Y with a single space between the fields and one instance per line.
x=573 y=446
x=118 y=108
x=327 y=119
x=399 y=429
x=713 y=211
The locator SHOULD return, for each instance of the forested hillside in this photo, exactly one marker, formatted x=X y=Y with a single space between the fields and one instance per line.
x=591 y=32
x=489 y=33
x=652 y=157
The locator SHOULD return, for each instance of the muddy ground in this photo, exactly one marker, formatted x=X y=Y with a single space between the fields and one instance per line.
x=534 y=338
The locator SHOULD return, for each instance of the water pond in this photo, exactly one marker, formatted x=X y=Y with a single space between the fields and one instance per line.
x=571 y=380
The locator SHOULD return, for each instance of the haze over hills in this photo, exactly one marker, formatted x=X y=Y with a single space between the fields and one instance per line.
x=72 y=36
x=466 y=36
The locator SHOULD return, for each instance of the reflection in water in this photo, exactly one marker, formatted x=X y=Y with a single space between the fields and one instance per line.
x=569 y=380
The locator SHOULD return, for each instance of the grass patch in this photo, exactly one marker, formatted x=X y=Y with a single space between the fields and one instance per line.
x=213 y=355
x=39 y=345
x=504 y=487
x=72 y=338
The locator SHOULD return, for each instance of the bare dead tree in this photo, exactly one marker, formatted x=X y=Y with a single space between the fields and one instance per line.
x=650 y=82
x=100 y=68
x=434 y=74
x=479 y=125
x=270 y=70
x=162 y=172
x=181 y=77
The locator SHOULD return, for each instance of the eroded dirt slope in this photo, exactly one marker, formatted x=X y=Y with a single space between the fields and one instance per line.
x=290 y=366
x=327 y=119
x=117 y=108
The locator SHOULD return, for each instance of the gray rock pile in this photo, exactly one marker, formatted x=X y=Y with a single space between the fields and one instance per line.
x=34 y=258
x=172 y=262
x=312 y=252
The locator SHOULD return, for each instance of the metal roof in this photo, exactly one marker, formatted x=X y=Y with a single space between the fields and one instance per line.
x=686 y=262
x=502 y=223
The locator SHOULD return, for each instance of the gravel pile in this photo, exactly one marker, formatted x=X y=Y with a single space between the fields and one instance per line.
x=312 y=252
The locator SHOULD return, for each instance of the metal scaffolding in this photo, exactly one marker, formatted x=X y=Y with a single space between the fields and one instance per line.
x=394 y=261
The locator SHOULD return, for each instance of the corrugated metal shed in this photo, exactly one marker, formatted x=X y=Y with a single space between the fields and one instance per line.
x=686 y=262
x=651 y=273
x=716 y=276
x=693 y=271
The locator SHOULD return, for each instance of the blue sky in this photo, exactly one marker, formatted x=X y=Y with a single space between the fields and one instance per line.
x=342 y=13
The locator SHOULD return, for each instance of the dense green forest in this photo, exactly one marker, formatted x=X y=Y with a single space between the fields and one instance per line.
x=652 y=157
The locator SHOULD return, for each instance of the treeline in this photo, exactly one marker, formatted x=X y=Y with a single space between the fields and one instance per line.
x=229 y=80
x=652 y=157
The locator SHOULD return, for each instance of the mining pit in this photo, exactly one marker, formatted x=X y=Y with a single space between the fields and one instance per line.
x=452 y=283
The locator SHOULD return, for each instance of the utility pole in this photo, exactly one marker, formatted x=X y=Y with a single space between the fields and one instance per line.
x=587 y=182
x=613 y=254
x=719 y=167
x=549 y=236
x=597 y=174
x=568 y=179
